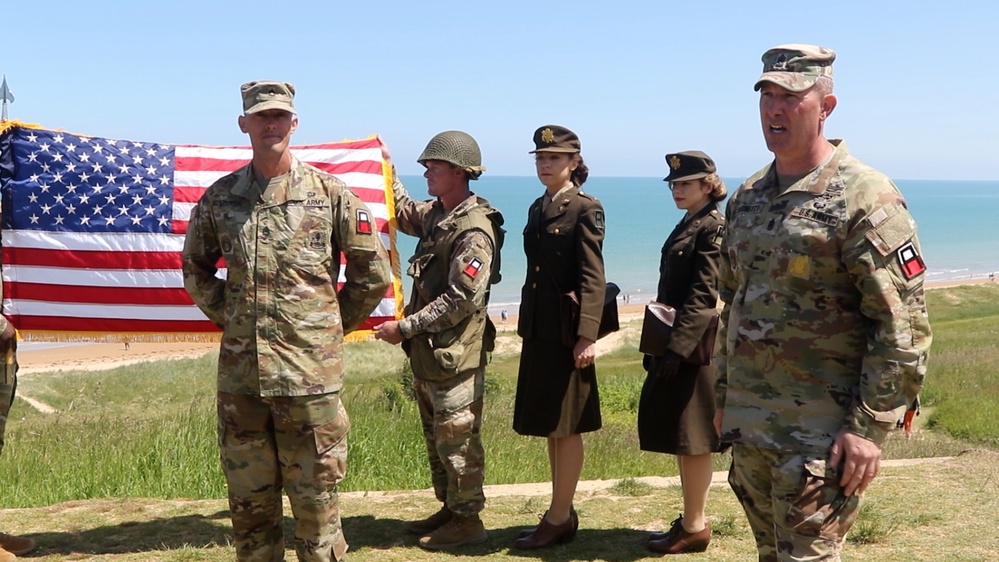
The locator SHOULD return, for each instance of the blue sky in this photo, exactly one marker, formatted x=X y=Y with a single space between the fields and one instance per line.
x=916 y=81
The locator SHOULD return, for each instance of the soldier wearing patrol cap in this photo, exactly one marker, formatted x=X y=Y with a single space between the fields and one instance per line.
x=447 y=332
x=557 y=394
x=281 y=226
x=677 y=404
x=824 y=322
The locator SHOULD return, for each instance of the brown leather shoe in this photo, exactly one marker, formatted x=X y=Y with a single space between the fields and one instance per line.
x=547 y=534
x=575 y=524
x=678 y=541
x=16 y=545
x=432 y=523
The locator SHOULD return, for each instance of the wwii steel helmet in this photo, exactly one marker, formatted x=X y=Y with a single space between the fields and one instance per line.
x=455 y=147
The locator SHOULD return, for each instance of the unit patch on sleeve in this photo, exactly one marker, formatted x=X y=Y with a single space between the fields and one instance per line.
x=473 y=267
x=910 y=261
x=363 y=222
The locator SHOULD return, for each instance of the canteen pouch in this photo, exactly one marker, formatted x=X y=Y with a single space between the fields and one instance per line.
x=656 y=328
x=705 y=348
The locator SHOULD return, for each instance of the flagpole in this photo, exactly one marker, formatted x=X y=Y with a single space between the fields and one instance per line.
x=6 y=96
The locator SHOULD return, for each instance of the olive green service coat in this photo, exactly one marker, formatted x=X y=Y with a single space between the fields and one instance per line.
x=675 y=415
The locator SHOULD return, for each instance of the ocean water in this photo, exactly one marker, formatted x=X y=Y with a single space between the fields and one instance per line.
x=958 y=228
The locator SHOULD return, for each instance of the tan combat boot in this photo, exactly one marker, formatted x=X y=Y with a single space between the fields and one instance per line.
x=460 y=530
x=432 y=523
x=11 y=546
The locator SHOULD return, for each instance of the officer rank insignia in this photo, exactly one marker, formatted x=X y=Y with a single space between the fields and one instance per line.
x=910 y=261
x=363 y=222
x=547 y=135
x=473 y=267
x=674 y=162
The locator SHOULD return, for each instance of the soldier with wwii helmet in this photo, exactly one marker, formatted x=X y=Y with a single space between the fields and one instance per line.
x=824 y=322
x=281 y=226
x=447 y=332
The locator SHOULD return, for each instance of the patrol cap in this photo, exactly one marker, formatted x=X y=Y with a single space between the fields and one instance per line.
x=555 y=138
x=689 y=165
x=796 y=67
x=267 y=94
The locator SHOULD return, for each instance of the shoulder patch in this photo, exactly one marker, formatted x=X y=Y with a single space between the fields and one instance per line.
x=473 y=268
x=598 y=218
x=363 y=222
x=910 y=261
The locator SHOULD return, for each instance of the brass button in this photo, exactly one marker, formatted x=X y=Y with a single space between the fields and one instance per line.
x=534 y=285
x=556 y=231
x=537 y=268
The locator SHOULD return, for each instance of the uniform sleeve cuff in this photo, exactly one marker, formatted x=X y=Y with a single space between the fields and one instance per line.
x=868 y=428
x=406 y=328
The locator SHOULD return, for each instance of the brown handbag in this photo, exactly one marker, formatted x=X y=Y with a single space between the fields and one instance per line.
x=656 y=328
x=569 y=311
x=705 y=348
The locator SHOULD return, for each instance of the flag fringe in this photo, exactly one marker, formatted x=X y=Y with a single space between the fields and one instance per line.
x=117 y=337
x=7 y=125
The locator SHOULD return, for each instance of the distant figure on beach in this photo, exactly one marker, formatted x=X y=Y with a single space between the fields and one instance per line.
x=126 y=345
x=281 y=226
x=992 y=276
x=677 y=406
x=504 y=316
x=824 y=321
x=447 y=332
x=557 y=384
x=10 y=546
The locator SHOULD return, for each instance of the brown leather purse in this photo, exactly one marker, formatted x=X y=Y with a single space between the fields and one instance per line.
x=656 y=328
x=705 y=348
x=569 y=311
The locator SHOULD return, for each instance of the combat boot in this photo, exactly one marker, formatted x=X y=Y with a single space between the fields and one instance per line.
x=15 y=545
x=432 y=523
x=460 y=530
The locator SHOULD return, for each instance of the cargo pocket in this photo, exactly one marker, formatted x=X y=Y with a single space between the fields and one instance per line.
x=820 y=509
x=331 y=448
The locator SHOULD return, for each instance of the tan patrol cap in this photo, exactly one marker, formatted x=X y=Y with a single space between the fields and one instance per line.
x=267 y=94
x=796 y=67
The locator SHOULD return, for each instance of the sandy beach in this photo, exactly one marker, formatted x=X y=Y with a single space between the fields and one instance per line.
x=110 y=355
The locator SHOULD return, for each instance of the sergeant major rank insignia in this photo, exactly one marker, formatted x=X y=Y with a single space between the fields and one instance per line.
x=473 y=267
x=363 y=222
x=910 y=261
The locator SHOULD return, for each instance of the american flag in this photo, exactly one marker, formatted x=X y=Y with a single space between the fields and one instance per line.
x=93 y=229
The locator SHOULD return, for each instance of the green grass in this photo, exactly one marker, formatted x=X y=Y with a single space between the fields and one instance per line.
x=149 y=430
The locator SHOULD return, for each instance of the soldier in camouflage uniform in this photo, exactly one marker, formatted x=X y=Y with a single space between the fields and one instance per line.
x=447 y=332
x=281 y=226
x=824 y=322
x=10 y=546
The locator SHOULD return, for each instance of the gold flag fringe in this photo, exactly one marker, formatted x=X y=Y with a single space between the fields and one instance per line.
x=6 y=125
x=117 y=337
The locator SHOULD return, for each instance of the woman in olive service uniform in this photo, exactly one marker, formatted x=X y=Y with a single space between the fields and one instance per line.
x=557 y=385
x=677 y=405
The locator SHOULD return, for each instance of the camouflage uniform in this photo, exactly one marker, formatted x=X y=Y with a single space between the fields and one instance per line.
x=448 y=335
x=825 y=328
x=281 y=422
